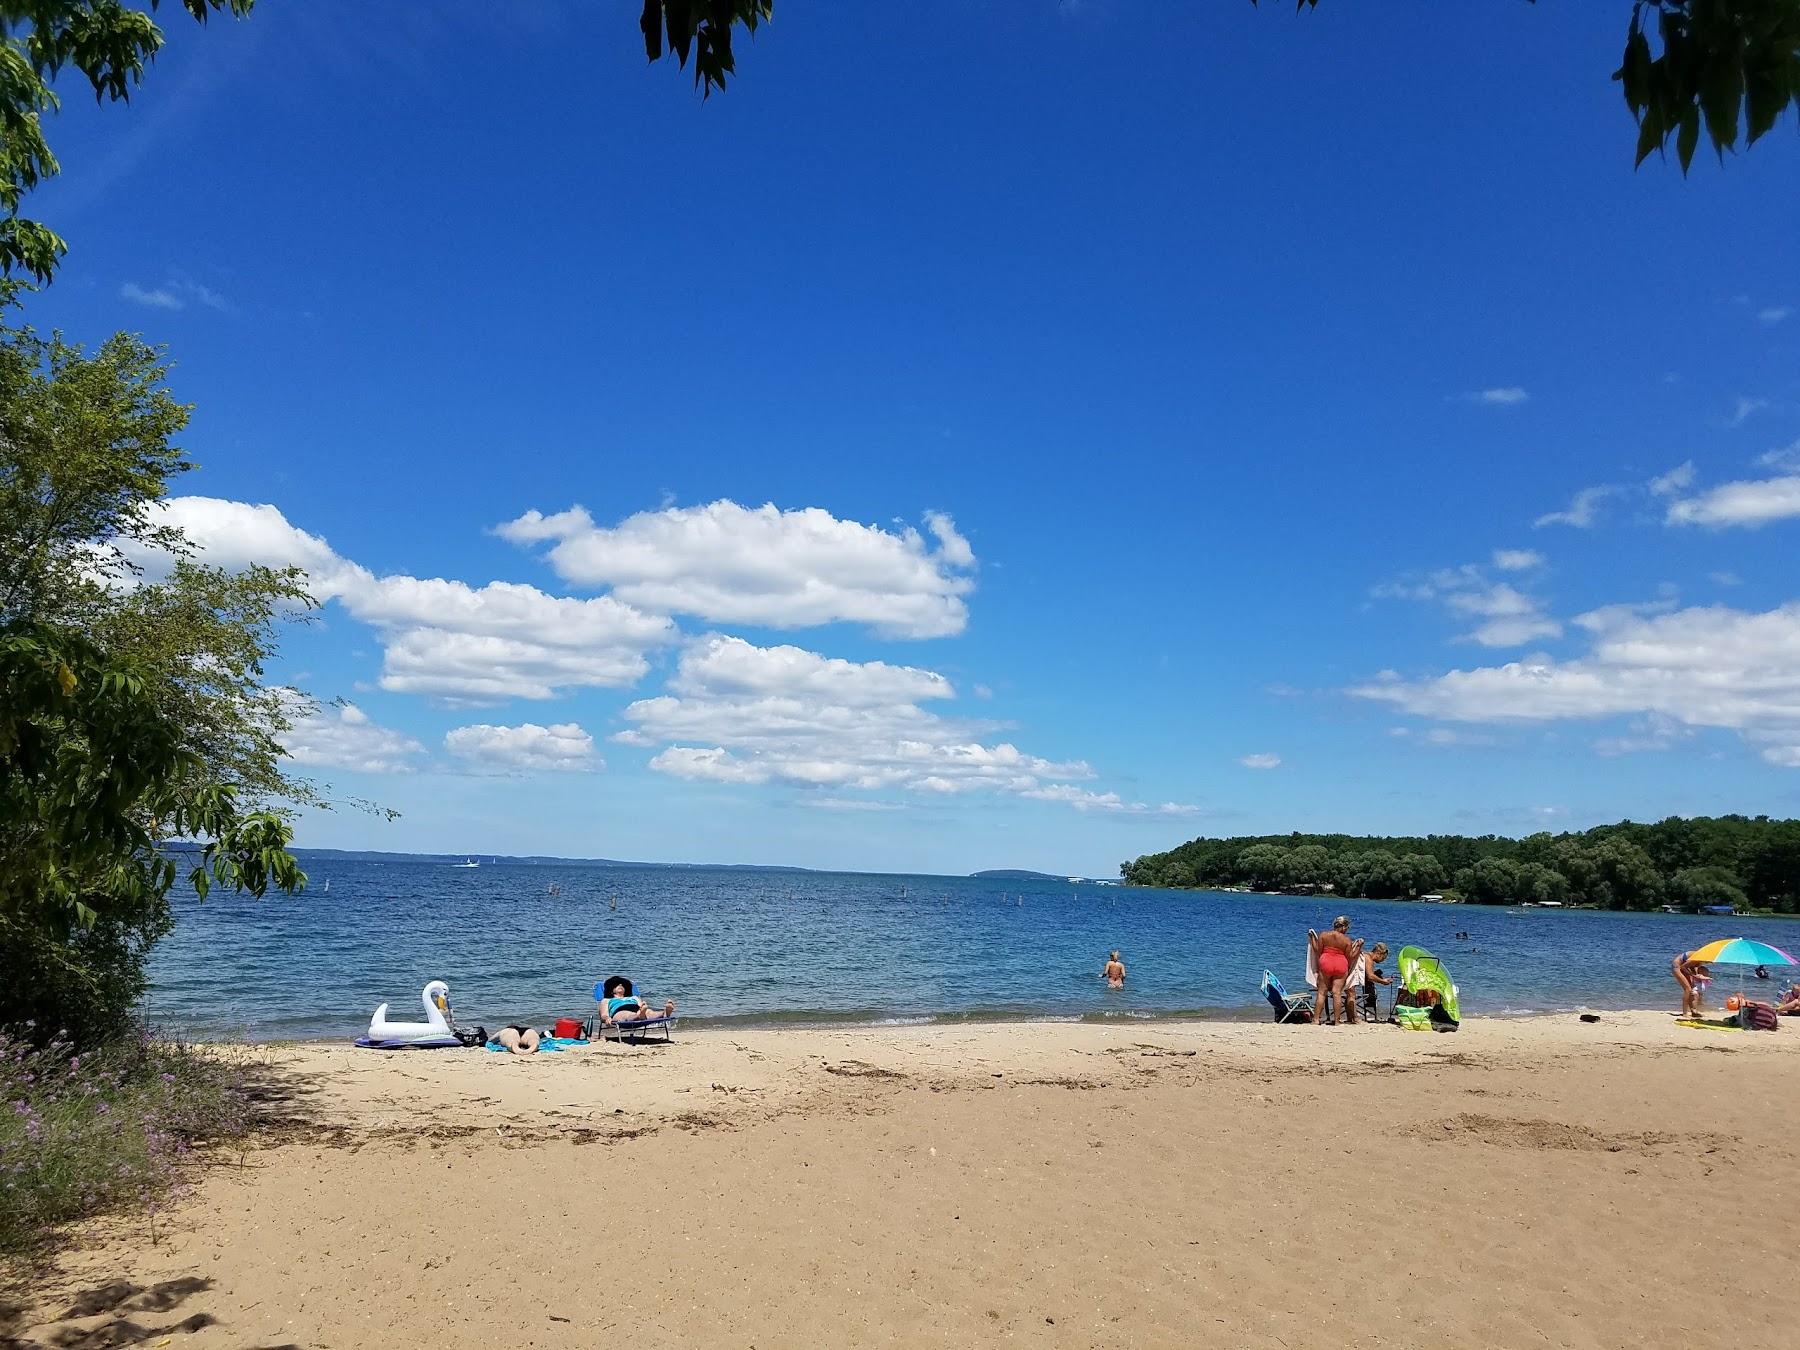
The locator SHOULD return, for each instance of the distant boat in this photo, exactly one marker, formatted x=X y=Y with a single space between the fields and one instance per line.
x=470 y=863
x=1724 y=911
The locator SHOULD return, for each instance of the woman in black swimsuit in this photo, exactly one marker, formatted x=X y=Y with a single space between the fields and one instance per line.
x=519 y=1039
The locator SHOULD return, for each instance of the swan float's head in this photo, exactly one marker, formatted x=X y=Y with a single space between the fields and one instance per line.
x=436 y=997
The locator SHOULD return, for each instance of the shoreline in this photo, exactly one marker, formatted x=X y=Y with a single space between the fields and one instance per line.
x=1050 y=1184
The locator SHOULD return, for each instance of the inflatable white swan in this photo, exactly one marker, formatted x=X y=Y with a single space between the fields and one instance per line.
x=436 y=1026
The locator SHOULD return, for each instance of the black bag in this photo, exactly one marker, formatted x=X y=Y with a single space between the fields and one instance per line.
x=472 y=1036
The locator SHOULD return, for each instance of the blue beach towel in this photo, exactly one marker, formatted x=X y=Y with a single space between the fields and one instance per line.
x=546 y=1043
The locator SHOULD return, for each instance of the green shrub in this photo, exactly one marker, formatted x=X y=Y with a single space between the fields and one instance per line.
x=108 y=1128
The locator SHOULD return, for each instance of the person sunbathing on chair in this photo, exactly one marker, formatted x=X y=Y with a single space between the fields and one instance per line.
x=621 y=1006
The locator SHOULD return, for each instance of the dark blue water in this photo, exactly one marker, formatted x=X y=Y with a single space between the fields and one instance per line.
x=849 y=947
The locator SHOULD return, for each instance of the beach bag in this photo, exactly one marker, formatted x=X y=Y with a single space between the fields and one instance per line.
x=471 y=1035
x=567 y=1029
x=1759 y=1017
x=1413 y=1019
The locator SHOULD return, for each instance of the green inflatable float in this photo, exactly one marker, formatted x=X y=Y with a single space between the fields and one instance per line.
x=1428 y=994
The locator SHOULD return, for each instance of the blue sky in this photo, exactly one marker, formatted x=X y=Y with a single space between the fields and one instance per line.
x=1154 y=392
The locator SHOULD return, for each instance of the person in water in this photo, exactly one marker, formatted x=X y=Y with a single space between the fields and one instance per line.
x=1335 y=955
x=620 y=1006
x=1372 y=979
x=519 y=1039
x=1114 y=972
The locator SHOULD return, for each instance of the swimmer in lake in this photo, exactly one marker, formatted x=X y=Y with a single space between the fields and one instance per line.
x=1114 y=973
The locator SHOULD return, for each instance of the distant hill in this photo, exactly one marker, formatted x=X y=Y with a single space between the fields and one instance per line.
x=1015 y=874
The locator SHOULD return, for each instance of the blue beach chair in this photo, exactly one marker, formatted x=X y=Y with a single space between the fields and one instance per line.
x=1288 y=1007
x=634 y=1030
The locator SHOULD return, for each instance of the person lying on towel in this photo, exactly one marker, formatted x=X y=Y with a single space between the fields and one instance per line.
x=621 y=1006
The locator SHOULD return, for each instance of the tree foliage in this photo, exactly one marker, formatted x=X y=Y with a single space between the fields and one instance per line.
x=1738 y=860
x=93 y=777
x=1730 y=65
x=701 y=28
x=105 y=41
x=87 y=453
x=132 y=705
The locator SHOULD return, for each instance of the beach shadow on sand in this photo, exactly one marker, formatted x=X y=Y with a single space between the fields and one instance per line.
x=112 y=1313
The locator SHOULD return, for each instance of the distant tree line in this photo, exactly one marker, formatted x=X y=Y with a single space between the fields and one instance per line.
x=1750 y=862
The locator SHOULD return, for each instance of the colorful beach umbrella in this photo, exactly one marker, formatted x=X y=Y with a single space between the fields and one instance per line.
x=1742 y=952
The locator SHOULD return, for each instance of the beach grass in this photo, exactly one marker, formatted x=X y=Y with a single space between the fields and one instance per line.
x=105 y=1129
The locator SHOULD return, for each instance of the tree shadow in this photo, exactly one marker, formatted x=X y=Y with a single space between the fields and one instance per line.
x=111 y=1314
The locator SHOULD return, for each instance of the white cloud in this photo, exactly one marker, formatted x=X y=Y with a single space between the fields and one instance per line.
x=1725 y=578
x=1515 y=631
x=1748 y=503
x=151 y=297
x=529 y=748
x=1506 y=396
x=818 y=803
x=1582 y=510
x=1517 y=559
x=1441 y=737
x=1773 y=313
x=343 y=737
x=442 y=639
x=1783 y=457
x=1746 y=408
x=1707 y=666
x=728 y=563
x=1109 y=803
x=174 y=294
x=1510 y=617
x=1655 y=732
x=739 y=713
x=1263 y=761
x=1677 y=479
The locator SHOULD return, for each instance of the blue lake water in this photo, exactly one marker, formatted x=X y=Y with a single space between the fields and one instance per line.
x=844 y=947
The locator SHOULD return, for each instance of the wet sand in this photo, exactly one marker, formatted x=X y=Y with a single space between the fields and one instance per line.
x=1520 y=1183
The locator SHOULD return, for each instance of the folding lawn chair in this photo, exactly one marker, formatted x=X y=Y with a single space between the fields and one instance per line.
x=1288 y=1007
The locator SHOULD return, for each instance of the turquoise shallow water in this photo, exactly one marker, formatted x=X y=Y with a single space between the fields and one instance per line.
x=843 y=947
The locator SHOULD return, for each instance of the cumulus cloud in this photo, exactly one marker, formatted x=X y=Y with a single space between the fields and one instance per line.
x=342 y=737
x=1509 y=617
x=1582 y=511
x=1517 y=559
x=529 y=748
x=1263 y=761
x=1505 y=396
x=727 y=563
x=1748 y=503
x=1772 y=314
x=1677 y=479
x=1704 y=666
x=442 y=639
x=739 y=713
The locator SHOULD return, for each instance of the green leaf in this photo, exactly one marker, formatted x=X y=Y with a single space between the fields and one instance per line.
x=1687 y=136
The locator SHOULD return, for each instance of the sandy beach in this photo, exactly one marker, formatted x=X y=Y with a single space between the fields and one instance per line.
x=1520 y=1183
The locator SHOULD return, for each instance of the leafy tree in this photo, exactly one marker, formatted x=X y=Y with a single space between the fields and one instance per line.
x=1261 y=866
x=86 y=454
x=1693 y=887
x=93 y=776
x=1308 y=865
x=1732 y=65
x=132 y=709
x=104 y=40
x=704 y=28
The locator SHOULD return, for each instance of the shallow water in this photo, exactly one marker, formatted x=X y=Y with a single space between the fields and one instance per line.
x=845 y=947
